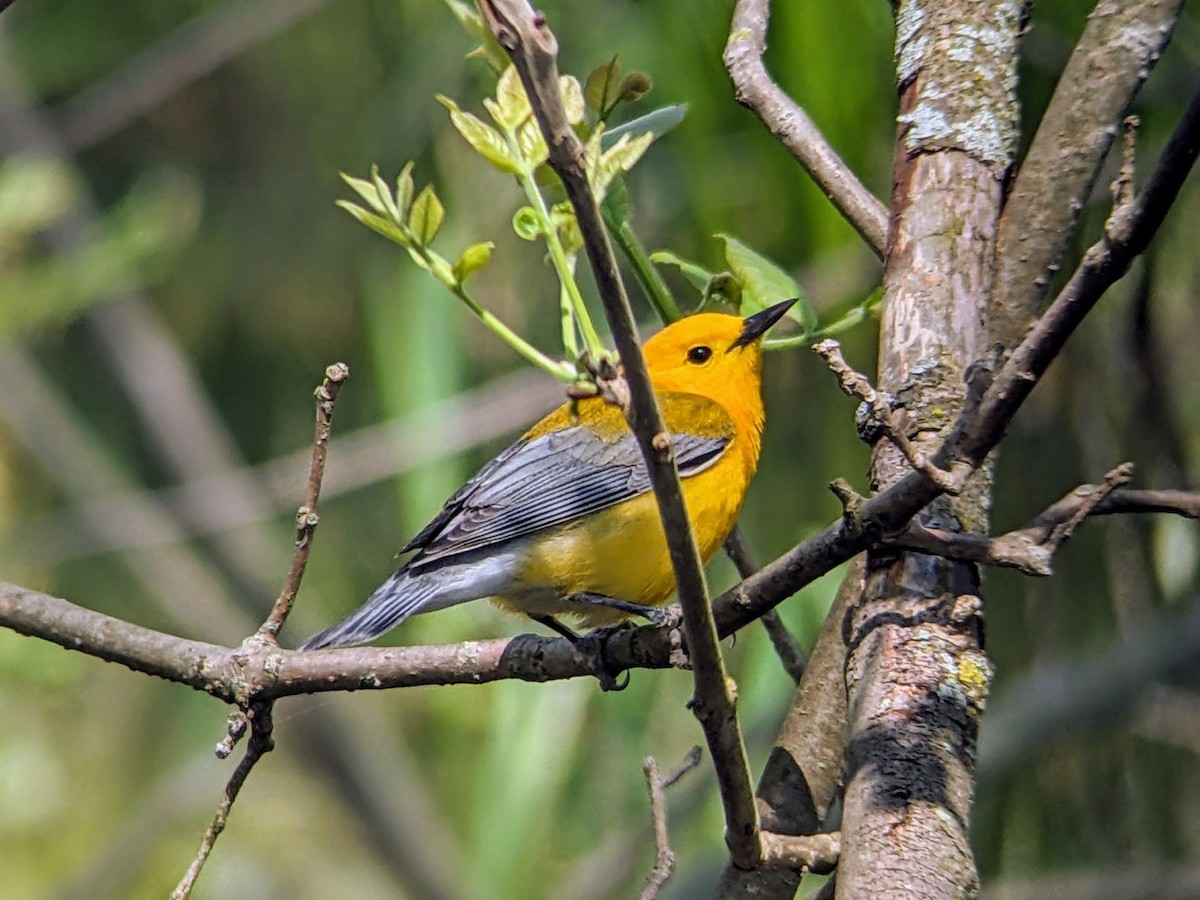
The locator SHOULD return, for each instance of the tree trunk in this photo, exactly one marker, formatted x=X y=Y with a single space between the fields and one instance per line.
x=916 y=675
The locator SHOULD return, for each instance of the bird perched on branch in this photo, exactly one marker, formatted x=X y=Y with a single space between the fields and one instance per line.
x=564 y=521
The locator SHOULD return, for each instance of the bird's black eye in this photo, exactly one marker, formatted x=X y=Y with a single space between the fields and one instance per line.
x=699 y=355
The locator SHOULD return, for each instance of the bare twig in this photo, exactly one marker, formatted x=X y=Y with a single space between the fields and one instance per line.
x=1031 y=549
x=258 y=711
x=1128 y=232
x=855 y=384
x=664 y=859
x=787 y=648
x=261 y=743
x=1120 y=44
x=792 y=127
x=531 y=45
x=974 y=437
x=306 y=517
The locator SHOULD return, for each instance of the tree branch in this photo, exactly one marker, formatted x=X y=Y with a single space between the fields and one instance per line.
x=261 y=743
x=804 y=768
x=792 y=127
x=657 y=784
x=259 y=712
x=306 y=516
x=533 y=49
x=1031 y=548
x=787 y=648
x=992 y=400
x=1119 y=46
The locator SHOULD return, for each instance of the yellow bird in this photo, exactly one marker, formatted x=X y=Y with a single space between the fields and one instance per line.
x=564 y=521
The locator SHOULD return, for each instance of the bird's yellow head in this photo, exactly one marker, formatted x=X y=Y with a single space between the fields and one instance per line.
x=716 y=355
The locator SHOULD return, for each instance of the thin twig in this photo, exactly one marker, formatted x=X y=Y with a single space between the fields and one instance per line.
x=261 y=743
x=231 y=674
x=664 y=858
x=855 y=384
x=257 y=710
x=792 y=127
x=306 y=517
x=984 y=423
x=531 y=45
x=787 y=648
x=1031 y=549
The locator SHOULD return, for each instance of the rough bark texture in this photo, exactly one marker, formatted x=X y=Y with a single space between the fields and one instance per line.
x=916 y=676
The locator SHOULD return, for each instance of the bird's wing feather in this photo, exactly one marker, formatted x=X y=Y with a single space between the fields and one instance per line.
x=548 y=480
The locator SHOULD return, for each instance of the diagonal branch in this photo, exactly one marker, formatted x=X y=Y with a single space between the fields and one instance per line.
x=261 y=743
x=792 y=127
x=1120 y=44
x=257 y=712
x=987 y=416
x=306 y=516
x=1029 y=549
x=533 y=49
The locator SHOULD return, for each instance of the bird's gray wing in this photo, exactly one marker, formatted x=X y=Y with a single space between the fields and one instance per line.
x=541 y=482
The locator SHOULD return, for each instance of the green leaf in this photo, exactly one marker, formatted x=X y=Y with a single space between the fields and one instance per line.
x=512 y=105
x=697 y=275
x=472 y=260
x=367 y=190
x=635 y=86
x=572 y=96
x=533 y=146
x=425 y=217
x=656 y=123
x=485 y=139
x=617 y=205
x=599 y=85
x=489 y=50
x=527 y=223
x=378 y=224
x=385 y=195
x=562 y=215
x=617 y=160
x=404 y=190
x=764 y=283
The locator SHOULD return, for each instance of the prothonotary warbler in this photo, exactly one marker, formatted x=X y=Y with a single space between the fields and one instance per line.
x=565 y=517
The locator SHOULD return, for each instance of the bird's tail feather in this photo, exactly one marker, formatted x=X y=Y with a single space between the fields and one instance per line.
x=395 y=600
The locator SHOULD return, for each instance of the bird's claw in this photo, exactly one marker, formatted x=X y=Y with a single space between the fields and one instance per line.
x=597 y=639
x=665 y=616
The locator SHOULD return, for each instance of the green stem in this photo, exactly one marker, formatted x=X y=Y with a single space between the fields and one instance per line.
x=558 y=257
x=563 y=371
x=441 y=271
x=570 y=344
x=854 y=316
x=647 y=274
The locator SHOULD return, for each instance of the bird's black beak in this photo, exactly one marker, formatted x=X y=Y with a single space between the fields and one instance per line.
x=755 y=326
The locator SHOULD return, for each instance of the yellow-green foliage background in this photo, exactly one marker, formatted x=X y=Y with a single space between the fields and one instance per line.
x=215 y=230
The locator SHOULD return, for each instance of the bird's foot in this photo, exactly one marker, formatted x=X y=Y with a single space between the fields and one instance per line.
x=591 y=646
x=668 y=617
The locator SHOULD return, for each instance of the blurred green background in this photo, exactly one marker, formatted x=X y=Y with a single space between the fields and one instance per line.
x=174 y=277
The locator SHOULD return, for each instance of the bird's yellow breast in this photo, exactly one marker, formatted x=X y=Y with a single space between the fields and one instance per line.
x=622 y=552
